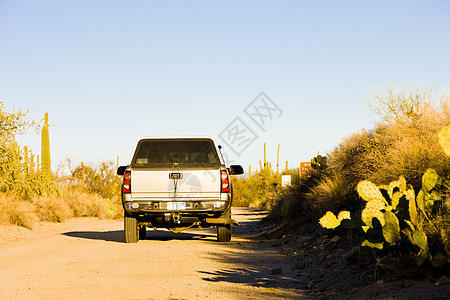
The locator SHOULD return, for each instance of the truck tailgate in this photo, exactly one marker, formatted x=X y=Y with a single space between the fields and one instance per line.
x=157 y=185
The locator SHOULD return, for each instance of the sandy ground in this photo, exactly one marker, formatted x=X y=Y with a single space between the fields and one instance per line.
x=87 y=258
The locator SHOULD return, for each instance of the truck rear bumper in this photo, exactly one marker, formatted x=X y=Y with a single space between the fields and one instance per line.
x=191 y=207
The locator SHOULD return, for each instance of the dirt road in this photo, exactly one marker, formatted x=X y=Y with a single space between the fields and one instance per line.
x=87 y=258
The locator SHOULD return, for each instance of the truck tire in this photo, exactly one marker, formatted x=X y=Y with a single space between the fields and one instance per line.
x=224 y=231
x=142 y=232
x=130 y=228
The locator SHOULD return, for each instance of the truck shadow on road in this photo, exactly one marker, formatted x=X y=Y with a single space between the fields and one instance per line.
x=118 y=235
x=251 y=261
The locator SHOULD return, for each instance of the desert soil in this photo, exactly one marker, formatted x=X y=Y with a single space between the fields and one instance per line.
x=87 y=258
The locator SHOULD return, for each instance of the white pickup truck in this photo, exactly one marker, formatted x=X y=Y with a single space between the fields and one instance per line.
x=177 y=182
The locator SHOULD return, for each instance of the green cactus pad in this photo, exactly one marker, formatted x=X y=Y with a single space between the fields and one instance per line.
x=388 y=208
x=343 y=215
x=329 y=221
x=378 y=204
x=397 y=186
x=444 y=139
x=430 y=198
x=391 y=228
x=420 y=239
x=412 y=207
x=411 y=225
x=395 y=199
x=420 y=200
x=433 y=196
x=378 y=246
x=410 y=194
x=368 y=191
x=369 y=213
x=430 y=180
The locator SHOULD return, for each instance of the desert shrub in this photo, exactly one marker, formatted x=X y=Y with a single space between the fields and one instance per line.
x=52 y=209
x=290 y=202
x=27 y=194
x=404 y=143
x=91 y=205
x=259 y=189
x=58 y=208
x=16 y=211
x=100 y=179
x=332 y=192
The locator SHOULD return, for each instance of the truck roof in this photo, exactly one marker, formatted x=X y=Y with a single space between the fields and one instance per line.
x=176 y=137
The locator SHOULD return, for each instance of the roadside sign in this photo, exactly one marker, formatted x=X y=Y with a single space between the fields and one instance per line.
x=305 y=167
x=285 y=180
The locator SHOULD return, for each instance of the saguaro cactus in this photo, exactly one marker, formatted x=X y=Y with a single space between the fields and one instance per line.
x=45 y=147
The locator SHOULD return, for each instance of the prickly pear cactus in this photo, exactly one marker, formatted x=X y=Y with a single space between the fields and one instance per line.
x=429 y=193
x=378 y=246
x=397 y=186
x=45 y=147
x=444 y=139
x=391 y=228
x=319 y=162
x=330 y=221
x=420 y=240
x=430 y=180
x=412 y=207
x=343 y=215
x=396 y=190
x=369 y=191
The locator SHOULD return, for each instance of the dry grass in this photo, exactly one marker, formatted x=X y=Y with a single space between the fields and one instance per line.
x=405 y=148
x=14 y=210
x=332 y=192
x=403 y=143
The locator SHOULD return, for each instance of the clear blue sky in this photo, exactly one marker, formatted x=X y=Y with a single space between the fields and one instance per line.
x=109 y=71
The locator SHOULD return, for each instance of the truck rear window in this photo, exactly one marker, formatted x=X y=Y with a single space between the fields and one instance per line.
x=155 y=153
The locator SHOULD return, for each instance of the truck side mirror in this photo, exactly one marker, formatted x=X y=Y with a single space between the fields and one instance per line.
x=121 y=170
x=236 y=170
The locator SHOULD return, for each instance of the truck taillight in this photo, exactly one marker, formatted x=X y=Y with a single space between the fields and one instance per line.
x=225 y=182
x=126 y=186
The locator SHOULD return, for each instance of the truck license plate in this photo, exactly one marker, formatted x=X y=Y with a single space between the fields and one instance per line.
x=176 y=205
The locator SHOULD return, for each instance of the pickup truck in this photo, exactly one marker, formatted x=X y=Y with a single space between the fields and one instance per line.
x=177 y=182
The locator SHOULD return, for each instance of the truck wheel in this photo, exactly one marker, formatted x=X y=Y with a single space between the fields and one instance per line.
x=224 y=232
x=130 y=228
x=143 y=232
